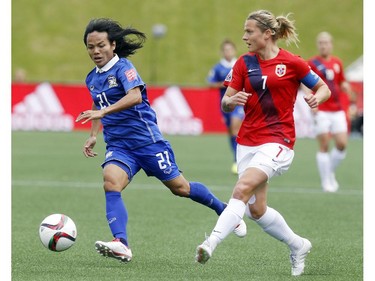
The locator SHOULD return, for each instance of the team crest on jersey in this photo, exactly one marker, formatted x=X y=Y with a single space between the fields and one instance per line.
x=280 y=70
x=112 y=81
x=229 y=76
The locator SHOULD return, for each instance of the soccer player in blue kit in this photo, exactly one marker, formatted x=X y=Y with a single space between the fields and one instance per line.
x=216 y=79
x=133 y=139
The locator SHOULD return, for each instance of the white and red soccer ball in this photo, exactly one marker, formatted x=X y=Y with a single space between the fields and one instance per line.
x=57 y=232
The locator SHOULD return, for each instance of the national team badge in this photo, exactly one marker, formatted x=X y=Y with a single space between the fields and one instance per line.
x=112 y=81
x=280 y=70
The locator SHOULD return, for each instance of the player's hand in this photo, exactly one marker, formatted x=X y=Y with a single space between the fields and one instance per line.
x=240 y=98
x=228 y=103
x=89 y=145
x=89 y=115
x=311 y=100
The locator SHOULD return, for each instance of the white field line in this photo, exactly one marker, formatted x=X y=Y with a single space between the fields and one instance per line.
x=142 y=186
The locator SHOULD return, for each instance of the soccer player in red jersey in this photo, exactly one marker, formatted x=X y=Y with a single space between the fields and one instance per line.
x=265 y=81
x=331 y=117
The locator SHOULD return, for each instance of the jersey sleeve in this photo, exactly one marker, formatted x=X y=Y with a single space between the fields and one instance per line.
x=212 y=75
x=341 y=77
x=302 y=67
x=305 y=74
x=235 y=78
x=130 y=78
x=312 y=65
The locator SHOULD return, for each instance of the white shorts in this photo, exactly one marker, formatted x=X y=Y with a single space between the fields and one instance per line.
x=272 y=158
x=330 y=122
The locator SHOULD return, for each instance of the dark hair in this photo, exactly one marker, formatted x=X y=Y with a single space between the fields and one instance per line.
x=125 y=46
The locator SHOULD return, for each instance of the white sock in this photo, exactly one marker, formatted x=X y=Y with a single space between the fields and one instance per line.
x=273 y=223
x=336 y=156
x=227 y=221
x=324 y=166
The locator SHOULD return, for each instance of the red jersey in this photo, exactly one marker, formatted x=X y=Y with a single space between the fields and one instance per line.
x=332 y=72
x=274 y=85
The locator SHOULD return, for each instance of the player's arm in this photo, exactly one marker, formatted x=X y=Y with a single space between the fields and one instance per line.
x=133 y=97
x=347 y=88
x=91 y=141
x=318 y=86
x=232 y=98
x=95 y=124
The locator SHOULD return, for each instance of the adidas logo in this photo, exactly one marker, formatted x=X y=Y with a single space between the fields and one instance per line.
x=174 y=114
x=41 y=110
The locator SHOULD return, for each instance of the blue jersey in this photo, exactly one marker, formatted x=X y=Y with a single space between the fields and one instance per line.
x=131 y=128
x=219 y=72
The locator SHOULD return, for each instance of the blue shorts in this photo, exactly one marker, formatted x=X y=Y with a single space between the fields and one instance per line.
x=238 y=112
x=156 y=159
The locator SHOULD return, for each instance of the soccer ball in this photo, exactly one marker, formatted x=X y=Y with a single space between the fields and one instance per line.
x=57 y=232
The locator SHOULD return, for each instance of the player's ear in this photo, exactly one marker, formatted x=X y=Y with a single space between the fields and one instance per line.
x=269 y=33
x=113 y=45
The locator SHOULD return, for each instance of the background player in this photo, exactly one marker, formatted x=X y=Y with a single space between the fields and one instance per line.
x=215 y=79
x=331 y=117
x=133 y=139
x=265 y=81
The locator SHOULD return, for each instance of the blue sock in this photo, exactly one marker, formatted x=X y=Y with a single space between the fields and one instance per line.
x=201 y=194
x=233 y=145
x=117 y=215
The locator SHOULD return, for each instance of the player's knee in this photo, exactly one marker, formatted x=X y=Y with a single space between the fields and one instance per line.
x=341 y=147
x=243 y=190
x=110 y=185
x=256 y=211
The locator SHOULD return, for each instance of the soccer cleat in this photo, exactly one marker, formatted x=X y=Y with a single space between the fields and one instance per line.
x=334 y=183
x=329 y=187
x=298 y=259
x=241 y=229
x=203 y=252
x=234 y=169
x=114 y=249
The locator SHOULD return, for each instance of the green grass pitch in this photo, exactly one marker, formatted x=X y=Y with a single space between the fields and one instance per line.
x=51 y=175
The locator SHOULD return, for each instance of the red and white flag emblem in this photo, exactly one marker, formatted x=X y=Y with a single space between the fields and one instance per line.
x=280 y=70
x=131 y=74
